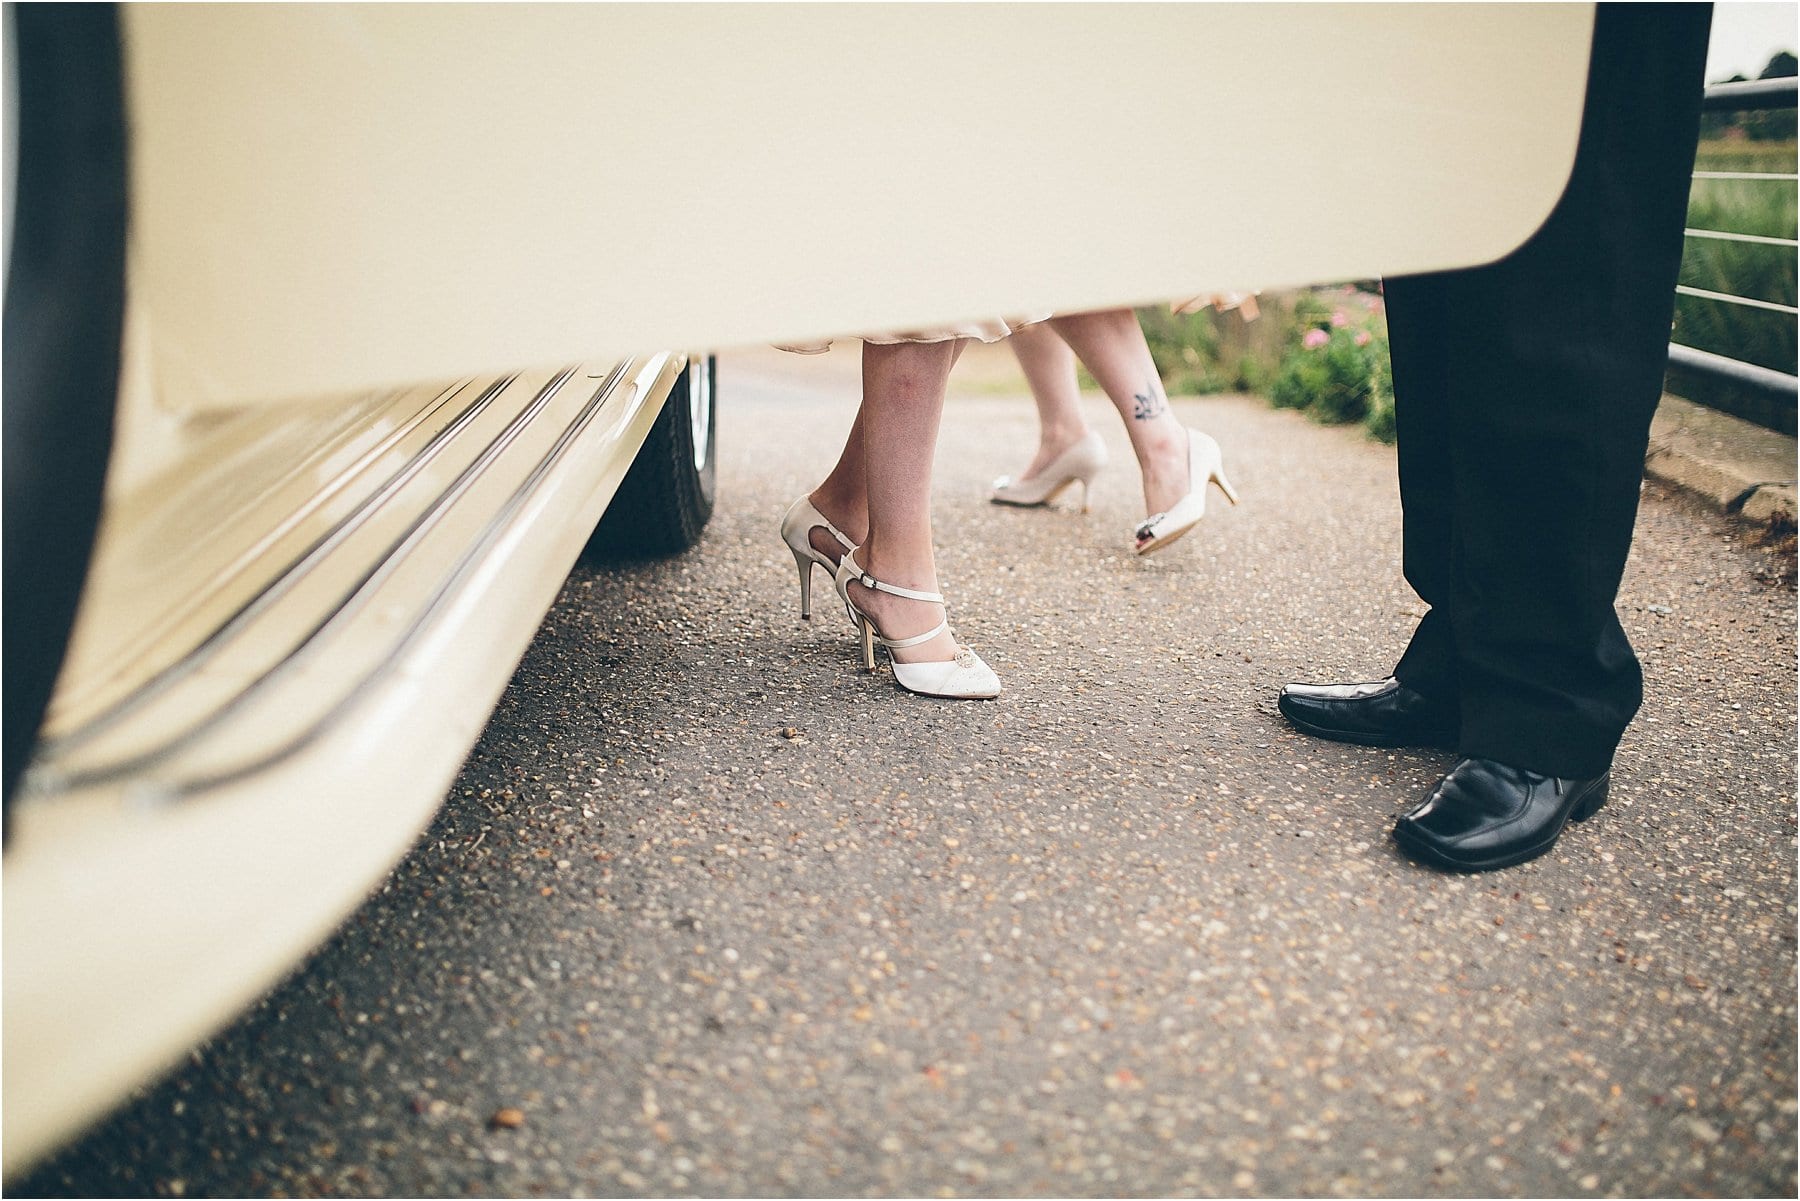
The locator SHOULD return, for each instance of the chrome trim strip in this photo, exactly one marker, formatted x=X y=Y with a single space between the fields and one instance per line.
x=283 y=583
x=351 y=603
x=470 y=560
x=230 y=571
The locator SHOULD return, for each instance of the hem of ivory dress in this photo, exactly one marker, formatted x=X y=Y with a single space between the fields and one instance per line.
x=1224 y=302
x=999 y=328
x=993 y=330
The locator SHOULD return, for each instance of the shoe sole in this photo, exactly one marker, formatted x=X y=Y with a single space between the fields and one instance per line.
x=1036 y=504
x=940 y=696
x=1358 y=738
x=1427 y=854
x=934 y=696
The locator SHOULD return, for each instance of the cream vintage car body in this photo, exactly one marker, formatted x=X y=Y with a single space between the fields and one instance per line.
x=315 y=573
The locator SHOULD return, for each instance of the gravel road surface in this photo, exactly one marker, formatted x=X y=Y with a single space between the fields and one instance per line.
x=711 y=912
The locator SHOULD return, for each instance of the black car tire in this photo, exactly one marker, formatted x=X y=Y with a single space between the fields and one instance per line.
x=65 y=304
x=666 y=499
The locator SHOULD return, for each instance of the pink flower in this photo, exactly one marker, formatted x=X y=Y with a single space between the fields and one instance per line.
x=1338 y=320
x=1362 y=337
x=1314 y=339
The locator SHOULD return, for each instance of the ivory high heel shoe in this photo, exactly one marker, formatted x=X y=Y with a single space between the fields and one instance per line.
x=796 y=530
x=1205 y=465
x=964 y=677
x=1081 y=462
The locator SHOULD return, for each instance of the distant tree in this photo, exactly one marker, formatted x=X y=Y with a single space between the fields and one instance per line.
x=1773 y=125
x=1768 y=125
x=1716 y=125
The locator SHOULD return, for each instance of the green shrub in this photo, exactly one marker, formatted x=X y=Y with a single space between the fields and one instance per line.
x=1186 y=350
x=1334 y=363
x=1351 y=379
x=1344 y=378
x=1252 y=373
x=1312 y=310
x=1380 y=421
x=1300 y=379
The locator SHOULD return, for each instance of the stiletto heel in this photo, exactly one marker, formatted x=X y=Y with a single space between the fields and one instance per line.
x=964 y=677
x=1080 y=463
x=1218 y=477
x=866 y=628
x=1205 y=466
x=797 y=525
x=805 y=563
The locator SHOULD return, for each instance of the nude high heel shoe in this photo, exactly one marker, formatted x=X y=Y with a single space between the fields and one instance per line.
x=796 y=530
x=1205 y=465
x=965 y=677
x=1081 y=462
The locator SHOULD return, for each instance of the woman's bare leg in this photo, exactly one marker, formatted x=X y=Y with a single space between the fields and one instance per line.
x=1049 y=367
x=903 y=402
x=1111 y=345
x=843 y=498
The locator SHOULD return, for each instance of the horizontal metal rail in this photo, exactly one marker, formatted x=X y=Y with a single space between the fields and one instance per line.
x=1777 y=385
x=1786 y=175
x=1723 y=236
x=1749 y=302
x=1746 y=96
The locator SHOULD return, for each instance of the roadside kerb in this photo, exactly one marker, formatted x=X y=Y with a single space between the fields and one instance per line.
x=1737 y=467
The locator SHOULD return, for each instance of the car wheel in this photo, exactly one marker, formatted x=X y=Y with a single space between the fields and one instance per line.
x=65 y=302
x=666 y=498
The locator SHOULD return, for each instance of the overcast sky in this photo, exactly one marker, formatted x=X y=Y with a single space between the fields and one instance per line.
x=1746 y=35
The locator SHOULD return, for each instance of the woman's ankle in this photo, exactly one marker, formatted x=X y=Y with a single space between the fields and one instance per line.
x=1163 y=461
x=850 y=522
x=912 y=568
x=1053 y=444
x=902 y=566
x=848 y=514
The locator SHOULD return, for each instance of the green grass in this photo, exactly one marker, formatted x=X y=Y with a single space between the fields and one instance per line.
x=1762 y=207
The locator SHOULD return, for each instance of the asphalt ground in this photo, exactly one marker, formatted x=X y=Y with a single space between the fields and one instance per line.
x=711 y=912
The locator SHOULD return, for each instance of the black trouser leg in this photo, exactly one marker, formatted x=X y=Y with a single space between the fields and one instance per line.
x=1551 y=367
x=1419 y=341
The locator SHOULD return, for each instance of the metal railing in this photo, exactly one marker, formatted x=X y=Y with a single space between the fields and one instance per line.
x=1753 y=95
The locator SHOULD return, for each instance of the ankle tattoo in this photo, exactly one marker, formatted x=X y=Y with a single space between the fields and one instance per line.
x=1150 y=403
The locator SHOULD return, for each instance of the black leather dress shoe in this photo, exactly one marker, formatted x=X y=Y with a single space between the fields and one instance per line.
x=1386 y=713
x=1483 y=815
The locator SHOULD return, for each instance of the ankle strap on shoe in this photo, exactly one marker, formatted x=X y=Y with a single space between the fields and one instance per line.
x=869 y=581
x=849 y=564
x=900 y=644
x=834 y=531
